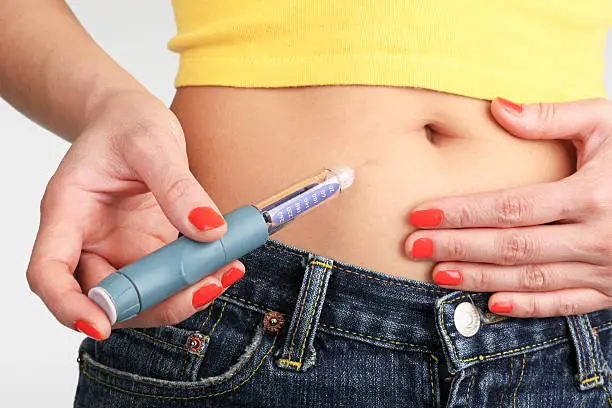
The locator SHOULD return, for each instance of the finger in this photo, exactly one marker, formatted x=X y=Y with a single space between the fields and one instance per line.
x=547 y=304
x=185 y=303
x=127 y=246
x=570 y=120
x=512 y=246
x=54 y=258
x=525 y=278
x=165 y=170
x=522 y=206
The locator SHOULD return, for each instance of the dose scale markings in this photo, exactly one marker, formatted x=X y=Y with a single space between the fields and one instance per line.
x=302 y=202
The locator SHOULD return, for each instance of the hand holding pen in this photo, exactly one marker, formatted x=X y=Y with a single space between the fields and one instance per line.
x=122 y=191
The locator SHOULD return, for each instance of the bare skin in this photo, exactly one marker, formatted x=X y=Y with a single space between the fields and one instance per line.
x=406 y=145
x=136 y=170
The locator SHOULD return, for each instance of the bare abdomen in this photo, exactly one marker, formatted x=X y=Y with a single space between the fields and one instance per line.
x=406 y=146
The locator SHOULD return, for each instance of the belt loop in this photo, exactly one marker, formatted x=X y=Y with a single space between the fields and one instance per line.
x=588 y=352
x=298 y=353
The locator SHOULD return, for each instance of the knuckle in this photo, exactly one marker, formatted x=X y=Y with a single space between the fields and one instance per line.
x=482 y=278
x=604 y=106
x=32 y=277
x=510 y=209
x=532 y=308
x=597 y=246
x=179 y=189
x=597 y=199
x=171 y=316
x=535 y=277
x=457 y=248
x=466 y=217
x=567 y=307
x=546 y=113
x=515 y=248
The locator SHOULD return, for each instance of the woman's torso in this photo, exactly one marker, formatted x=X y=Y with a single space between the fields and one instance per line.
x=406 y=145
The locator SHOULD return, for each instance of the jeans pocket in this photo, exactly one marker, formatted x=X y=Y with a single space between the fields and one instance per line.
x=200 y=358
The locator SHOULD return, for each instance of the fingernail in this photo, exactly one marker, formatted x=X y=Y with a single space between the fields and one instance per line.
x=88 y=330
x=205 y=295
x=501 y=307
x=510 y=106
x=231 y=276
x=448 y=277
x=422 y=248
x=426 y=218
x=205 y=218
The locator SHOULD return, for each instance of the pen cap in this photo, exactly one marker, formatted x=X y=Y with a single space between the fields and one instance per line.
x=117 y=297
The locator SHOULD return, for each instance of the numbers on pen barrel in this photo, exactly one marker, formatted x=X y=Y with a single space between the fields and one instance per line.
x=297 y=205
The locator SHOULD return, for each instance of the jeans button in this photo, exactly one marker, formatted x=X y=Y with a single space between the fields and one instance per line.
x=467 y=319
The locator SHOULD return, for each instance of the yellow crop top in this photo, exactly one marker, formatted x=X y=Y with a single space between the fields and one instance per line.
x=525 y=50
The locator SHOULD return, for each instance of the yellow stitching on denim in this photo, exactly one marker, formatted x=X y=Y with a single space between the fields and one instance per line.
x=161 y=341
x=363 y=275
x=266 y=308
x=272 y=246
x=608 y=397
x=514 y=350
x=484 y=357
x=325 y=265
x=218 y=320
x=289 y=362
x=90 y=376
x=501 y=397
x=588 y=380
x=238 y=370
x=592 y=349
x=314 y=309
x=184 y=364
x=598 y=328
x=520 y=379
x=435 y=358
x=396 y=342
x=433 y=391
x=207 y=317
x=297 y=324
x=579 y=342
x=467 y=398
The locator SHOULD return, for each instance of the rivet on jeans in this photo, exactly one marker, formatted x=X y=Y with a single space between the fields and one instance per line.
x=196 y=342
x=274 y=321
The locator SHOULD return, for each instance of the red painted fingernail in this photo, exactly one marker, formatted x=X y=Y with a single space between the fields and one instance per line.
x=87 y=329
x=231 y=276
x=501 y=307
x=205 y=295
x=510 y=106
x=205 y=218
x=426 y=218
x=448 y=277
x=422 y=248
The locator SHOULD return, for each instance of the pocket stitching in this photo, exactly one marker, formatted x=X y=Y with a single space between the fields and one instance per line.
x=138 y=332
x=98 y=380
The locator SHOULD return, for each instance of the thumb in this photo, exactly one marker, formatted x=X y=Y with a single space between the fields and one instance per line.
x=165 y=171
x=577 y=121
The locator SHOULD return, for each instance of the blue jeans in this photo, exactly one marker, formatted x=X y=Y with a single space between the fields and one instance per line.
x=301 y=330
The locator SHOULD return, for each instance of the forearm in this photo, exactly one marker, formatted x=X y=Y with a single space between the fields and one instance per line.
x=51 y=70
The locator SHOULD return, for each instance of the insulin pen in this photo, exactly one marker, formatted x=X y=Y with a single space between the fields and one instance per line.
x=146 y=282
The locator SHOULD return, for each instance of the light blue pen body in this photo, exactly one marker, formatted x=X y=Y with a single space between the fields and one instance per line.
x=148 y=281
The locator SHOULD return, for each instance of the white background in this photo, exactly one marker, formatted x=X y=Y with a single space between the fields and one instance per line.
x=37 y=354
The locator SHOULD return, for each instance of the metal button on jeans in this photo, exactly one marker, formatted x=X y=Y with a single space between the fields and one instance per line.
x=467 y=319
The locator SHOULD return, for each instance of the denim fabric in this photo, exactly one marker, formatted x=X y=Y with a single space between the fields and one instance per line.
x=300 y=330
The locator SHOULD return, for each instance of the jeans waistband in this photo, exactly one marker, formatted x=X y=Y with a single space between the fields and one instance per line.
x=324 y=294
